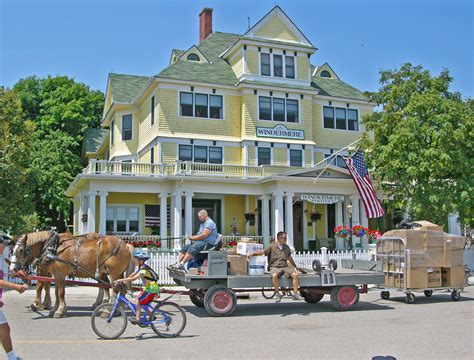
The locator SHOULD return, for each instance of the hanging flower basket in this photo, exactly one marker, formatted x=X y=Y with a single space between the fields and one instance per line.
x=359 y=231
x=249 y=217
x=342 y=231
x=315 y=216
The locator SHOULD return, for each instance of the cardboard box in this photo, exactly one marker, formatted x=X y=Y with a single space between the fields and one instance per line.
x=453 y=256
x=417 y=278
x=453 y=277
x=201 y=270
x=400 y=282
x=247 y=248
x=434 y=277
x=232 y=250
x=257 y=265
x=389 y=280
x=238 y=264
x=414 y=239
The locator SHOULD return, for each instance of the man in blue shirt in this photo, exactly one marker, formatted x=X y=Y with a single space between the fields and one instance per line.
x=207 y=235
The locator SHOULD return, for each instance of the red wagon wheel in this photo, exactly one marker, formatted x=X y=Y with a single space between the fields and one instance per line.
x=220 y=301
x=344 y=297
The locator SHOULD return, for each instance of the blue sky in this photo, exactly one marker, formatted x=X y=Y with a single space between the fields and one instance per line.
x=87 y=39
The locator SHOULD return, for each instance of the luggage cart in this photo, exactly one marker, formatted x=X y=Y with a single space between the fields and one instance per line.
x=394 y=259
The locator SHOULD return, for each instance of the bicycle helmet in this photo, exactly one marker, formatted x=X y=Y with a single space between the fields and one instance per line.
x=140 y=255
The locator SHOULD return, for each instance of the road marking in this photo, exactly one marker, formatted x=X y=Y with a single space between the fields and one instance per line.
x=70 y=341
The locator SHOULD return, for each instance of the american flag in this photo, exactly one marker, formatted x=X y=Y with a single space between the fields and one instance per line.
x=360 y=175
x=152 y=215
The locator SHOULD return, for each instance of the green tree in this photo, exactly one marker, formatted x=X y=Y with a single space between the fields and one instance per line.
x=16 y=201
x=62 y=110
x=422 y=147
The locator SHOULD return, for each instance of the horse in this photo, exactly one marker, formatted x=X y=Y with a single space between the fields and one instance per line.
x=62 y=255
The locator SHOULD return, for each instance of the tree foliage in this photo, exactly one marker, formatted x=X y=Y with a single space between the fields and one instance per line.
x=62 y=110
x=16 y=205
x=422 y=147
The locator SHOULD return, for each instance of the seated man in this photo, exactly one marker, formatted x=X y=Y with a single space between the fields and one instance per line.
x=279 y=254
x=207 y=235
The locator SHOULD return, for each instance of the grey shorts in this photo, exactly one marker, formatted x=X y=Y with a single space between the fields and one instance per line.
x=286 y=271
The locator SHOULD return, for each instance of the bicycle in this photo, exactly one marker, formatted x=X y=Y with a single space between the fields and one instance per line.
x=109 y=321
x=269 y=292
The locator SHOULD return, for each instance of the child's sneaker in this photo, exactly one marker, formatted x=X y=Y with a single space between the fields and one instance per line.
x=279 y=296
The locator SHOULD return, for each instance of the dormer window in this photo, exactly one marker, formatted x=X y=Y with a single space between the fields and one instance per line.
x=325 y=74
x=265 y=64
x=193 y=57
x=277 y=65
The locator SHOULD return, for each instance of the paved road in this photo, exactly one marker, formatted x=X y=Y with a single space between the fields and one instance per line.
x=434 y=328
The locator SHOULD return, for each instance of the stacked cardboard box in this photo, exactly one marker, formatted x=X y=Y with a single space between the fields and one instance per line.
x=433 y=258
x=237 y=264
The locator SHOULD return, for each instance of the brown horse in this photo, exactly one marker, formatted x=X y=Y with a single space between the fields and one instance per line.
x=94 y=256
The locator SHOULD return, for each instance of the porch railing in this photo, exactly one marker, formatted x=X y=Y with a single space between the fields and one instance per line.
x=183 y=168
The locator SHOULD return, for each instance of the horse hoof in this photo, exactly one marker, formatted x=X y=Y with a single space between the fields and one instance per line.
x=46 y=307
x=58 y=315
x=33 y=307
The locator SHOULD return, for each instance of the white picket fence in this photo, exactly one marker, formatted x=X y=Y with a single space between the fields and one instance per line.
x=160 y=260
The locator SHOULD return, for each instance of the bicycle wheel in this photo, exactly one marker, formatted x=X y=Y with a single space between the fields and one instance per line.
x=169 y=319
x=268 y=292
x=109 y=329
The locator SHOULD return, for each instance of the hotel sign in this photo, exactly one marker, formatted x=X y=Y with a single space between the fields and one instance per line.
x=322 y=199
x=280 y=131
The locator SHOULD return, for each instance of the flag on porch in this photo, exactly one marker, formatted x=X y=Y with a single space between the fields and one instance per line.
x=152 y=215
x=358 y=170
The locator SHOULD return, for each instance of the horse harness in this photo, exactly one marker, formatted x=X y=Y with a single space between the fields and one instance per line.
x=50 y=252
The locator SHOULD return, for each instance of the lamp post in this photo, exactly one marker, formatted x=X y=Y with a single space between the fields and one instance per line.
x=350 y=207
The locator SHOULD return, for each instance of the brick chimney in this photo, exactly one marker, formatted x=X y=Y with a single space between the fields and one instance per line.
x=205 y=24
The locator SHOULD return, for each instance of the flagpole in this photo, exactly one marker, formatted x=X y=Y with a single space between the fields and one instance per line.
x=329 y=157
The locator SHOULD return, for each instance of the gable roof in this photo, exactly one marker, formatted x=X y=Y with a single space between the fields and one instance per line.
x=217 y=71
x=126 y=87
x=93 y=139
x=316 y=71
x=336 y=88
x=277 y=11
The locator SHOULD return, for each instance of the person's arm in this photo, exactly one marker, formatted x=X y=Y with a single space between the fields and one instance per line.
x=260 y=252
x=8 y=285
x=133 y=276
x=205 y=233
x=292 y=262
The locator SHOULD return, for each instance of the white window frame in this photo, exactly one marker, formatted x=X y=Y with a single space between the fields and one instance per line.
x=127 y=208
x=152 y=110
x=302 y=156
x=207 y=151
x=265 y=147
x=271 y=111
x=347 y=119
x=208 y=105
x=272 y=74
x=133 y=132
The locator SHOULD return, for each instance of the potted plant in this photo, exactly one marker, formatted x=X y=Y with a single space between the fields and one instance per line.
x=231 y=247
x=373 y=235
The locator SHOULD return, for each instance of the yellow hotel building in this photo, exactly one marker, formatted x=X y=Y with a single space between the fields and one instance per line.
x=234 y=125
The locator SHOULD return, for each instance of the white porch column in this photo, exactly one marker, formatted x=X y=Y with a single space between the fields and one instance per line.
x=363 y=216
x=265 y=219
x=278 y=214
x=188 y=213
x=247 y=210
x=102 y=211
x=245 y=155
x=289 y=219
x=83 y=210
x=355 y=210
x=338 y=210
x=172 y=206
x=177 y=218
x=164 y=219
x=272 y=217
x=91 y=212
x=305 y=225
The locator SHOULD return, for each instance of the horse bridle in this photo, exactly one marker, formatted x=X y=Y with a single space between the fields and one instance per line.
x=25 y=258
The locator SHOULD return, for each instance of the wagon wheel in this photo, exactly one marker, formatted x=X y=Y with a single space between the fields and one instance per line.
x=311 y=297
x=344 y=297
x=455 y=295
x=197 y=297
x=428 y=293
x=410 y=298
x=385 y=295
x=220 y=300
x=317 y=265
x=333 y=264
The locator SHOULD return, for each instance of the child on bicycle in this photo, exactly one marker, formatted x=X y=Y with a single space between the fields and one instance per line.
x=149 y=279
